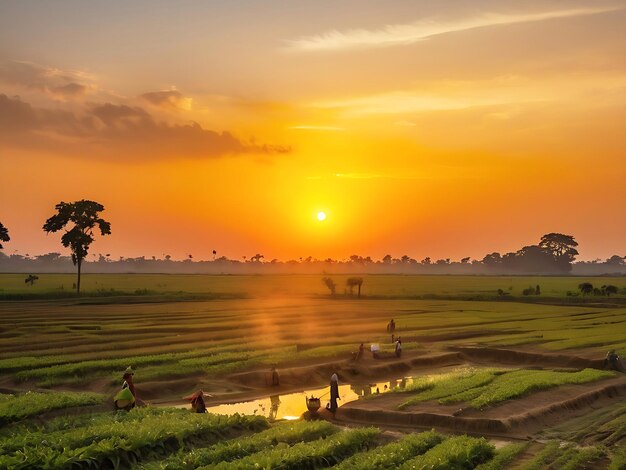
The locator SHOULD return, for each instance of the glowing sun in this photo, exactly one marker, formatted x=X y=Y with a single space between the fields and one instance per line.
x=321 y=216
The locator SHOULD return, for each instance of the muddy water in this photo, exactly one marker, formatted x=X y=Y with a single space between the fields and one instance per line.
x=293 y=405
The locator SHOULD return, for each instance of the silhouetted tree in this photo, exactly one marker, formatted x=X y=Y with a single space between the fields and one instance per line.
x=354 y=281
x=257 y=258
x=614 y=260
x=585 y=288
x=214 y=253
x=387 y=259
x=492 y=260
x=538 y=290
x=610 y=289
x=4 y=235
x=562 y=248
x=426 y=261
x=78 y=219
x=330 y=284
x=465 y=260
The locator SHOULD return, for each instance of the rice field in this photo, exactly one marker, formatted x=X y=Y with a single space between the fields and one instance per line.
x=73 y=351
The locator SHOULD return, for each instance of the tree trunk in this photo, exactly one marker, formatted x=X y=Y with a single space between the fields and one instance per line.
x=359 y=295
x=78 y=280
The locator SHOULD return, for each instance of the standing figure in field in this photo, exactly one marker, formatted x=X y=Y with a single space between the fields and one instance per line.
x=398 y=347
x=275 y=377
x=361 y=351
x=197 y=402
x=334 y=393
x=391 y=327
x=127 y=397
x=614 y=362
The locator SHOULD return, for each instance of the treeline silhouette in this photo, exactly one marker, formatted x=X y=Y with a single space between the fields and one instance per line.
x=525 y=261
x=80 y=220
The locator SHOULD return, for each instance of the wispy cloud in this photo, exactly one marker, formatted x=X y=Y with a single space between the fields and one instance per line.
x=409 y=33
x=52 y=81
x=168 y=99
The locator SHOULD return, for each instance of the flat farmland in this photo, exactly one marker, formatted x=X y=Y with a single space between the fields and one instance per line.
x=525 y=372
x=307 y=285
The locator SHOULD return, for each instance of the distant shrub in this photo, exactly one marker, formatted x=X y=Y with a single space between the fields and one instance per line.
x=529 y=291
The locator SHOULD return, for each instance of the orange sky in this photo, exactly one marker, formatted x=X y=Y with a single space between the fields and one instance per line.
x=441 y=129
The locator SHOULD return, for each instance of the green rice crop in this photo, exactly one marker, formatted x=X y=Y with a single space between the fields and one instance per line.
x=319 y=453
x=393 y=454
x=16 y=407
x=618 y=460
x=456 y=452
x=548 y=454
x=517 y=383
x=486 y=387
x=289 y=432
x=575 y=458
x=504 y=456
x=433 y=388
x=139 y=434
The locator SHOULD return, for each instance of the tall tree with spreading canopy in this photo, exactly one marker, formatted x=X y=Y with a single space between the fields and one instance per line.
x=79 y=220
x=4 y=234
x=562 y=248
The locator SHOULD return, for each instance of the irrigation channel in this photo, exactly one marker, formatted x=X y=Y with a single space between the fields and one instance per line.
x=293 y=405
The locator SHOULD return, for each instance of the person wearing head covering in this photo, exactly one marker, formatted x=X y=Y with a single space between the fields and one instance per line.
x=334 y=393
x=127 y=397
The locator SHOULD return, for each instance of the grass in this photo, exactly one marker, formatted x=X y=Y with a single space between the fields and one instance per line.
x=119 y=440
x=618 y=461
x=503 y=457
x=548 y=454
x=316 y=454
x=392 y=454
x=287 y=433
x=17 y=407
x=456 y=452
x=481 y=388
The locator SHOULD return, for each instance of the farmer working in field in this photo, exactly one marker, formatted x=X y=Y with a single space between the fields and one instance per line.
x=614 y=362
x=398 y=347
x=334 y=393
x=197 y=402
x=127 y=397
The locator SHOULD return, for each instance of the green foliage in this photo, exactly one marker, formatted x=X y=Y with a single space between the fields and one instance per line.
x=618 y=461
x=119 y=438
x=548 y=454
x=504 y=456
x=290 y=432
x=396 y=453
x=460 y=452
x=315 y=454
x=16 y=407
x=446 y=385
x=517 y=383
x=487 y=387
x=575 y=458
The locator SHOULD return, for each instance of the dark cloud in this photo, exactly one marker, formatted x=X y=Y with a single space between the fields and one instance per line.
x=172 y=99
x=115 y=131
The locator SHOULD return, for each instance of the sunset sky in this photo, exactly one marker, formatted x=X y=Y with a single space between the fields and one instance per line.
x=441 y=129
